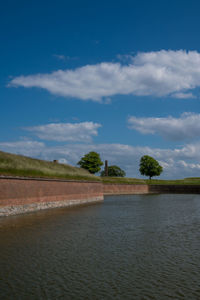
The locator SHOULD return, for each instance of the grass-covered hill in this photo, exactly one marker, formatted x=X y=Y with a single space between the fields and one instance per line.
x=18 y=165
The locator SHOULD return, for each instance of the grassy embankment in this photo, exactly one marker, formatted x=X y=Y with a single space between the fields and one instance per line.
x=185 y=181
x=18 y=165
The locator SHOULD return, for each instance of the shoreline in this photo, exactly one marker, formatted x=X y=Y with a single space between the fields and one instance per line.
x=19 y=195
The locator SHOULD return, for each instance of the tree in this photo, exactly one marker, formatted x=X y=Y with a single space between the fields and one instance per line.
x=91 y=162
x=149 y=166
x=114 y=171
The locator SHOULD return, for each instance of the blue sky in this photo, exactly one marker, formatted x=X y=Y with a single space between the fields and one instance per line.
x=118 y=77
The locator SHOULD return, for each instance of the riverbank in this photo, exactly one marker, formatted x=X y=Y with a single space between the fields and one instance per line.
x=20 y=195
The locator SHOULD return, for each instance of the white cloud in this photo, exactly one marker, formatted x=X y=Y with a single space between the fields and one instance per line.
x=189 y=165
x=176 y=129
x=125 y=58
x=161 y=73
x=63 y=161
x=184 y=96
x=27 y=148
x=71 y=132
x=177 y=163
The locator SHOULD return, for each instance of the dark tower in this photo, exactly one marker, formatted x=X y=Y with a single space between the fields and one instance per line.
x=106 y=168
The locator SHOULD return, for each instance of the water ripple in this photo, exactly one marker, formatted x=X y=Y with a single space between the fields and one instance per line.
x=129 y=247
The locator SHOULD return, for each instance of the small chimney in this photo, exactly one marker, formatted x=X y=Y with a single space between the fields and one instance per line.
x=106 y=168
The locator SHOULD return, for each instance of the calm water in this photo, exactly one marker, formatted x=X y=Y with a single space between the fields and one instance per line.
x=129 y=247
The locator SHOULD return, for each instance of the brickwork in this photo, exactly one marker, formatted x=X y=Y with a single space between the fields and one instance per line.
x=115 y=189
x=175 y=189
x=20 y=195
x=26 y=192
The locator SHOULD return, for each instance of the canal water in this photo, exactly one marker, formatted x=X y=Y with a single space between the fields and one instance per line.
x=129 y=247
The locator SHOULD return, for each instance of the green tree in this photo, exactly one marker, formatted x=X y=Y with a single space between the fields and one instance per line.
x=114 y=171
x=91 y=162
x=149 y=166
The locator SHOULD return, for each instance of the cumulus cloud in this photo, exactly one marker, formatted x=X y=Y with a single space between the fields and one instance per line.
x=184 y=96
x=161 y=73
x=189 y=165
x=61 y=132
x=177 y=163
x=27 y=148
x=176 y=129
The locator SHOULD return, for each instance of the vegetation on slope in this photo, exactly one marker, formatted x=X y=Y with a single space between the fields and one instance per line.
x=18 y=165
x=122 y=180
x=185 y=181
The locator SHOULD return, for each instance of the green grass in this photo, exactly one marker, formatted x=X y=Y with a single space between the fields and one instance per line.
x=123 y=180
x=185 y=181
x=18 y=165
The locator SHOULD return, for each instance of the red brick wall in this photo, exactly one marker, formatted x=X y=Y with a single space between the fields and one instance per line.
x=143 y=189
x=125 y=189
x=175 y=189
x=21 y=191
x=27 y=191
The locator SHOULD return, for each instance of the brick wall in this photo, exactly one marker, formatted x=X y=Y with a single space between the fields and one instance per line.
x=125 y=189
x=175 y=189
x=25 y=192
x=19 y=195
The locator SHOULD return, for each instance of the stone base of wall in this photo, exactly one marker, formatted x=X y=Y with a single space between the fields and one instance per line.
x=21 y=209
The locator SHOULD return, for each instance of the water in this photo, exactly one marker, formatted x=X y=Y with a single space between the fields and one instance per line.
x=129 y=247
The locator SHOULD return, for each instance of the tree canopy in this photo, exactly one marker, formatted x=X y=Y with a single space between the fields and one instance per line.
x=91 y=162
x=149 y=166
x=114 y=171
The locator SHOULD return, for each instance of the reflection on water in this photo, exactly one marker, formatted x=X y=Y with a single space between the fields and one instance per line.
x=129 y=247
